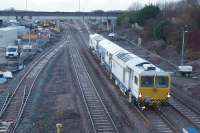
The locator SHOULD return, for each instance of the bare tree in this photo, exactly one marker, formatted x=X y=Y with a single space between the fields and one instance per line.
x=168 y=7
x=10 y=9
x=135 y=6
x=192 y=3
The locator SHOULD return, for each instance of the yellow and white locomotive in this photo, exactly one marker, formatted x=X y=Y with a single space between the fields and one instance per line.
x=145 y=83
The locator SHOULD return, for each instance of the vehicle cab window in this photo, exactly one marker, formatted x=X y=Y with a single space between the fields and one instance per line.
x=147 y=81
x=162 y=82
x=12 y=49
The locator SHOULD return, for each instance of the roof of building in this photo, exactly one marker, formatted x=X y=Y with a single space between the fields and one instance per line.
x=8 y=28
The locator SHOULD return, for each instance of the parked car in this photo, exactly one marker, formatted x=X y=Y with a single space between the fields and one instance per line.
x=12 y=51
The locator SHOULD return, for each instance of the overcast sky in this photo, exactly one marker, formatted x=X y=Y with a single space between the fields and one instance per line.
x=71 y=5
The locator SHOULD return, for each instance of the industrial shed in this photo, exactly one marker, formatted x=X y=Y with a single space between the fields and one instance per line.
x=8 y=36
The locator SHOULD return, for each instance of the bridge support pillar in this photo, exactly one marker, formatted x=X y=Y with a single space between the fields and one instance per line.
x=107 y=25
x=113 y=24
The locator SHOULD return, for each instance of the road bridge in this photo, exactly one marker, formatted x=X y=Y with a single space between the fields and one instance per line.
x=60 y=15
x=99 y=16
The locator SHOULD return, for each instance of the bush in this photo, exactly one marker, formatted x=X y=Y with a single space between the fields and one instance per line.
x=194 y=40
x=146 y=13
x=139 y=17
x=123 y=20
x=159 y=30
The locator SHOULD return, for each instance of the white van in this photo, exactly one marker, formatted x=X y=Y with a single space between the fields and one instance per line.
x=12 y=51
x=185 y=70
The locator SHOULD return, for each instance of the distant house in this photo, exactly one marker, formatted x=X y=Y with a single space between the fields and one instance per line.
x=8 y=35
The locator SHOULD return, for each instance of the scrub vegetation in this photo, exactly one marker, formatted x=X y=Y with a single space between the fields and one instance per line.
x=166 y=22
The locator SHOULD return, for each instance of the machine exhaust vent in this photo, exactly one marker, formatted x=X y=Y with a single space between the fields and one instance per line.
x=149 y=67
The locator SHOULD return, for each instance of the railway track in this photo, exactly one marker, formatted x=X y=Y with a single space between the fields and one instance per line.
x=157 y=120
x=3 y=97
x=97 y=111
x=14 y=104
x=160 y=122
x=189 y=113
x=183 y=109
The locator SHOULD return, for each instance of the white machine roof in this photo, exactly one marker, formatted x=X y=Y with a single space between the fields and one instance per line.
x=111 y=47
x=130 y=59
x=135 y=62
x=96 y=37
x=126 y=58
x=92 y=35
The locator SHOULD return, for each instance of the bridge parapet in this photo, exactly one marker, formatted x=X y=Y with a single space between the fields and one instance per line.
x=32 y=13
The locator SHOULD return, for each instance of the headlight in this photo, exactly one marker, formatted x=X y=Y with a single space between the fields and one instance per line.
x=140 y=95
x=168 y=95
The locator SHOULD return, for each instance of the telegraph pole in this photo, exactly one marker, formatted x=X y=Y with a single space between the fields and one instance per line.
x=26 y=5
x=185 y=30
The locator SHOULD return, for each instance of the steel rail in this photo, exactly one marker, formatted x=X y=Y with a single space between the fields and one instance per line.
x=34 y=66
x=97 y=111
